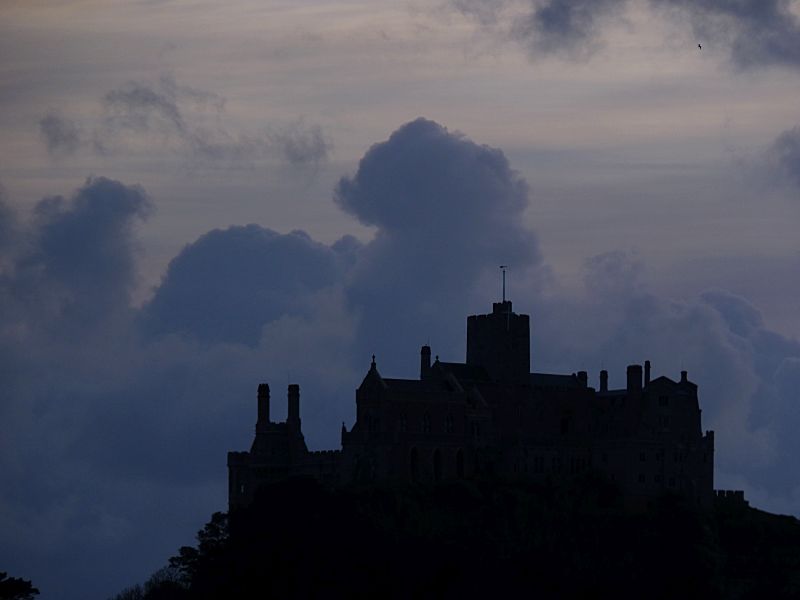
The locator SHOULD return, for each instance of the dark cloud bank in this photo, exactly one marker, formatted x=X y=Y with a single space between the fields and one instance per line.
x=756 y=32
x=118 y=419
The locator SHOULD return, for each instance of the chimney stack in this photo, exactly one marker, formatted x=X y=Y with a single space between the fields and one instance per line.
x=263 y=404
x=684 y=377
x=293 y=416
x=425 y=362
x=634 y=379
x=647 y=372
x=603 y=380
x=583 y=378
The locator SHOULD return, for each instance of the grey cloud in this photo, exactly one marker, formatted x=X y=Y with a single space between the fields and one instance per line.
x=76 y=264
x=61 y=135
x=138 y=106
x=101 y=422
x=756 y=32
x=745 y=371
x=784 y=154
x=569 y=26
x=302 y=145
x=107 y=410
x=185 y=120
x=760 y=32
x=484 y=11
x=229 y=283
x=447 y=213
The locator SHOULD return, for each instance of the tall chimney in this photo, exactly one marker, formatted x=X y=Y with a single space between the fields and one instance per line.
x=634 y=379
x=647 y=372
x=293 y=416
x=425 y=362
x=603 y=380
x=263 y=404
x=684 y=377
x=583 y=378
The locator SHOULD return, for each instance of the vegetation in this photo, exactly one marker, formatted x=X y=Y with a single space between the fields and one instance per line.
x=299 y=539
x=13 y=588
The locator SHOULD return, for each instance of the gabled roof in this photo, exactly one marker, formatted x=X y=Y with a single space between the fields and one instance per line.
x=663 y=380
x=463 y=371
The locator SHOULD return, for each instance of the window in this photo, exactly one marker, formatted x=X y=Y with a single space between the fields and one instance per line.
x=476 y=430
x=448 y=423
x=460 y=463
x=426 y=423
x=641 y=478
x=672 y=482
x=642 y=457
x=604 y=457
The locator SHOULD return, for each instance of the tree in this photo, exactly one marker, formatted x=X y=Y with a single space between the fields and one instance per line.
x=14 y=588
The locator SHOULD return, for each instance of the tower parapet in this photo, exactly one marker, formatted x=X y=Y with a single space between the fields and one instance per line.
x=500 y=343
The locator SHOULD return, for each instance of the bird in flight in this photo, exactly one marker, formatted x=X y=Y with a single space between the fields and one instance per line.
x=700 y=46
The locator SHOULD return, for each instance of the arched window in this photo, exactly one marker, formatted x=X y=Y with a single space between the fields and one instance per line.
x=414 y=464
x=437 y=465
x=460 y=464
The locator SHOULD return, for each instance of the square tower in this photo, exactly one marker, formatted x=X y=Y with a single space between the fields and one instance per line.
x=500 y=342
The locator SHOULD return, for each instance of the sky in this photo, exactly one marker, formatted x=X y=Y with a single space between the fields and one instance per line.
x=197 y=197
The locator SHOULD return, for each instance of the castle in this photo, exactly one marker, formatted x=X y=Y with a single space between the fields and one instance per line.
x=491 y=417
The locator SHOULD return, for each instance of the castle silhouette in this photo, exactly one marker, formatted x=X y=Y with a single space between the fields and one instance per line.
x=491 y=417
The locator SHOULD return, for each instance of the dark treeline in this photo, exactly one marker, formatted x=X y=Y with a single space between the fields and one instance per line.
x=14 y=588
x=467 y=538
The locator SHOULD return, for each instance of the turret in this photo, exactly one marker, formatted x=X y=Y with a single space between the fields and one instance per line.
x=293 y=415
x=634 y=379
x=684 y=377
x=425 y=362
x=603 y=380
x=263 y=405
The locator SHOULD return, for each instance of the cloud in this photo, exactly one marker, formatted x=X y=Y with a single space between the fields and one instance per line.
x=140 y=116
x=744 y=370
x=138 y=106
x=61 y=135
x=759 y=32
x=756 y=32
x=564 y=26
x=76 y=264
x=117 y=419
x=301 y=145
x=784 y=154
x=447 y=212
x=229 y=283
x=485 y=11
